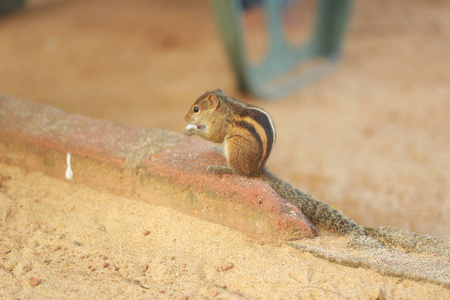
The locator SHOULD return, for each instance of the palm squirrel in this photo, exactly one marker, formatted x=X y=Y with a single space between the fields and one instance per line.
x=248 y=134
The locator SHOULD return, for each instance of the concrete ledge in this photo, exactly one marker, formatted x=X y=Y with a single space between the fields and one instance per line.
x=156 y=166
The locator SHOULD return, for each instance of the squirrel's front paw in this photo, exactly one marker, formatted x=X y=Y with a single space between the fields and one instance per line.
x=215 y=169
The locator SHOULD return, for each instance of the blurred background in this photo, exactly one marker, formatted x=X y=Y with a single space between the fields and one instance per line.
x=372 y=137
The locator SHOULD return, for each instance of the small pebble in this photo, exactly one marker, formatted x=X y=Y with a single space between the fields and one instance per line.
x=34 y=281
x=226 y=266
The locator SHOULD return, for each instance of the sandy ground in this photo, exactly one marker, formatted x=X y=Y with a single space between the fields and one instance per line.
x=372 y=139
x=78 y=243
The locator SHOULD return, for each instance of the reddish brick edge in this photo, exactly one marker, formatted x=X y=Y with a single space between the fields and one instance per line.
x=156 y=166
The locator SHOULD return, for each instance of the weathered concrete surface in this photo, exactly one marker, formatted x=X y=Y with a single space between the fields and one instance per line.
x=157 y=166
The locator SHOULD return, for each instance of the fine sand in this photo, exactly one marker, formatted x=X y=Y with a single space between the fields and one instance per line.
x=65 y=241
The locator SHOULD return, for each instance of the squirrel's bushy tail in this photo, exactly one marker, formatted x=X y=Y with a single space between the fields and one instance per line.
x=317 y=212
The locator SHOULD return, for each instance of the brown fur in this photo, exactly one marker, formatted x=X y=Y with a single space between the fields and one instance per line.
x=248 y=134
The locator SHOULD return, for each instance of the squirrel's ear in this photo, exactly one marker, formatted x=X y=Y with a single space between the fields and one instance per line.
x=212 y=101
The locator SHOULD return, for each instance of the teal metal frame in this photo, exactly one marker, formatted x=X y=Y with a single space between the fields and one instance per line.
x=268 y=78
x=9 y=5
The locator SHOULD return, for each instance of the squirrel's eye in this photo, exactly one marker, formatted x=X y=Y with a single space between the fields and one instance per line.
x=196 y=109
